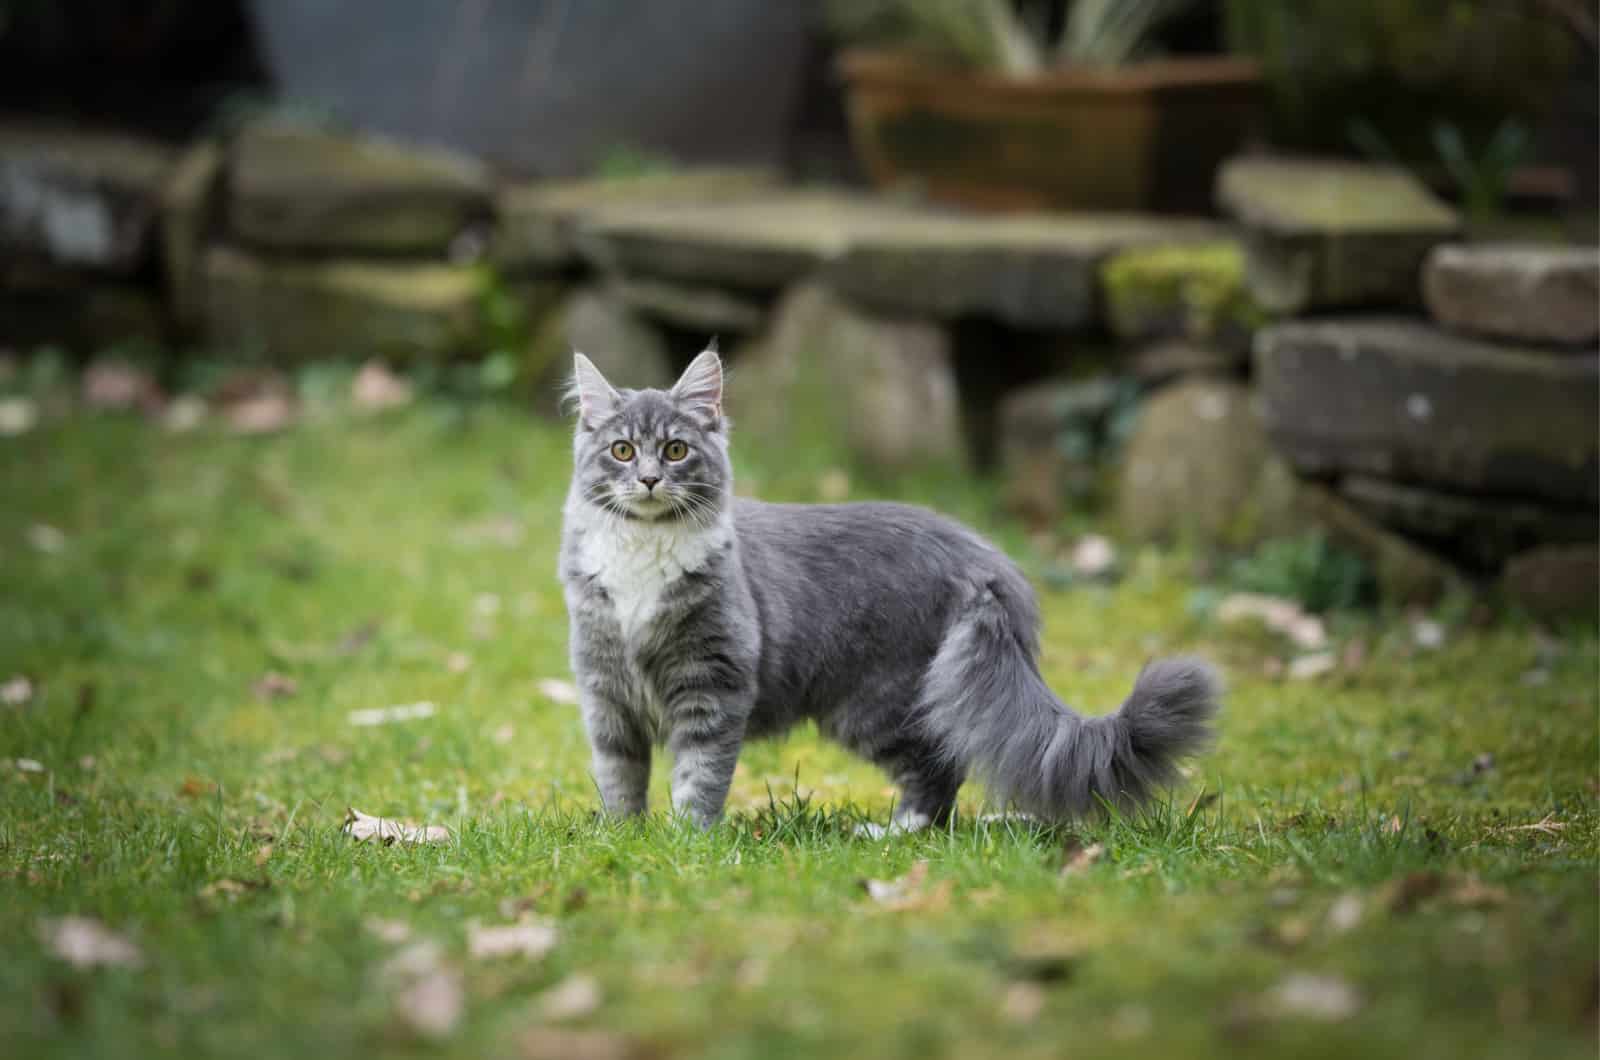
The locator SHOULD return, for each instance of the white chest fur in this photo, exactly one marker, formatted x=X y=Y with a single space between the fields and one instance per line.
x=637 y=562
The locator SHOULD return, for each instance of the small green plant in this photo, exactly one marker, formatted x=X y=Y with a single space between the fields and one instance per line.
x=1482 y=180
x=1309 y=569
x=992 y=35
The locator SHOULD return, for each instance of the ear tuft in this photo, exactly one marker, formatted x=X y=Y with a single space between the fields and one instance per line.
x=596 y=398
x=700 y=386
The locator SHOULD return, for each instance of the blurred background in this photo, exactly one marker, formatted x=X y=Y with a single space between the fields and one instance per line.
x=1317 y=277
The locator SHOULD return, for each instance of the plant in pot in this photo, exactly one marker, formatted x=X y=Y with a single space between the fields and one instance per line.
x=995 y=105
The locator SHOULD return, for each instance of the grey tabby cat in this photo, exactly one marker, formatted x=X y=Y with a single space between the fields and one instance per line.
x=702 y=620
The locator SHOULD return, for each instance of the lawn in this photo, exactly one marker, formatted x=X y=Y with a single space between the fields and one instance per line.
x=1397 y=858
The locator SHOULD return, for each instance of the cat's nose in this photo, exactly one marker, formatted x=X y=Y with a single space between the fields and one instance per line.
x=649 y=481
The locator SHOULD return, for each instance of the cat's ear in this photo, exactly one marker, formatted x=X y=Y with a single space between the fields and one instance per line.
x=700 y=386
x=596 y=398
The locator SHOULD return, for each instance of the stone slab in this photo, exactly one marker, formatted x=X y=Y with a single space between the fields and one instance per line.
x=79 y=199
x=1028 y=271
x=1404 y=400
x=1532 y=294
x=712 y=310
x=1481 y=532
x=1052 y=437
x=538 y=221
x=190 y=204
x=302 y=189
x=294 y=311
x=1323 y=235
x=1406 y=572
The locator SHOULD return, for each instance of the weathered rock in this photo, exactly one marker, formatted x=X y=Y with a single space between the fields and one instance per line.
x=1027 y=271
x=1480 y=532
x=1178 y=358
x=304 y=310
x=297 y=188
x=1332 y=234
x=1037 y=271
x=1052 y=440
x=80 y=200
x=1189 y=292
x=713 y=310
x=1403 y=400
x=1406 y=572
x=594 y=322
x=827 y=371
x=1556 y=582
x=1529 y=294
x=539 y=222
x=1198 y=466
x=189 y=208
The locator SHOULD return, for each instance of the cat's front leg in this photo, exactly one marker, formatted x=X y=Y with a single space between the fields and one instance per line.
x=705 y=737
x=620 y=745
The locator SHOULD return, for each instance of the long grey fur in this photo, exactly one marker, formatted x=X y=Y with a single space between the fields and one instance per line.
x=700 y=620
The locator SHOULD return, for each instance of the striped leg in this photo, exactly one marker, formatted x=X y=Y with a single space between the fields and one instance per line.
x=621 y=756
x=705 y=742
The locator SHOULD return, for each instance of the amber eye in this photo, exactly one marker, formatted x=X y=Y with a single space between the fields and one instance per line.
x=623 y=451
x=675 y=451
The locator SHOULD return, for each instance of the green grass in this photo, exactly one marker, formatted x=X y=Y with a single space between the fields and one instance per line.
x=194 y=564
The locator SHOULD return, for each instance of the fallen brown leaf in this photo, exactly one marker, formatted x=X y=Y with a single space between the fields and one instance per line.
x=558 y=691
x=85 y=942
x=910 y=892
x=362 y=827
x=429 y=994
x=1345 y=913
x=1472 y=893
x=18 y=416
x=1023 y=1002
x=1093 y=556
x=273 y=685
x=1080 y=857
x=1319 y=997
x=261 y=414
x=573 y=997
x=377 y=388
x=114 y=384
x=194 y=787
x=17 y=691
x=529 y=938
x=504 y=734
x=1277 y=614
x=43 y=537
x=1406 y=893
x=393 y=932
x=389 y=715
x=1309 y=667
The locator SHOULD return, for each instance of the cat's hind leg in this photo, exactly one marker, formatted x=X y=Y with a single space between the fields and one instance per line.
x=928 y=787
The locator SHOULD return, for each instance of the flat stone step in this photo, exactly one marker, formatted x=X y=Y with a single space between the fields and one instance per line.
x=1028 y=271
x=1323 y=235
x=300 y=189
x=1528 y=294
x=1402 y=399
x=1481 y=532
x=80 y=199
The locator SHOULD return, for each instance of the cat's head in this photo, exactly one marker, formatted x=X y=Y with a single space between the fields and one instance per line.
x=653 y=455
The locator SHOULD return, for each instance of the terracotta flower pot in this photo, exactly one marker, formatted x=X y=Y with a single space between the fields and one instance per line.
x=1144 y=137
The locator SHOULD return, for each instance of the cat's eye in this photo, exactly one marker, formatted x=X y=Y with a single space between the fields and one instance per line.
x=623 y=451
x=675 y=451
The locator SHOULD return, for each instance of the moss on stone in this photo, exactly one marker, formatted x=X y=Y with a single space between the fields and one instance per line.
x=1196 y=289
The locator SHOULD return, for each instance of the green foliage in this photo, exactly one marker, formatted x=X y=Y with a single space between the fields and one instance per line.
x=991 y=35
x=624 y=162
x=1309 y=569
x=1483 y=180
x=1406 y=67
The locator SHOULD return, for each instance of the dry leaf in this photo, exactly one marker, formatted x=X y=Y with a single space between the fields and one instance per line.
x=1277 y=614
x=263 y=855
x=273 y=685
x=552 y=1043
x=388 y=715
x=910 y=892
x=1318 y=997
x=504 y=734
x=1093 y=557
x=1023 y=1002
x=430 y=994
x=530 y=938
x=1473 y=893
x=262 y=414
x=1308 y=667
x=84 y=942
x=27 y=765
x=1548 y=825
x=17 y=691
x=393 y=932
x=45 y=538
x=1404 y=894
x=18 y=416
x=230 y=888
x=1080 y=857
x=558 y=691
x=458 y=662
x=184 y=414
x=362 y=827
x=833 y=486
x=574 y=997
x=376 y=388
x=1345 y=913
x=1427 y=634
x=194 y=787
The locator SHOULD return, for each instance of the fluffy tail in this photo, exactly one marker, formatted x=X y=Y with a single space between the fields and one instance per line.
x=990 y=710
